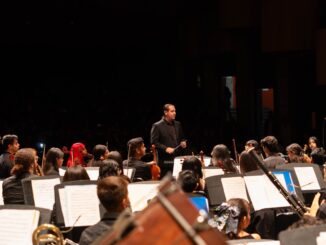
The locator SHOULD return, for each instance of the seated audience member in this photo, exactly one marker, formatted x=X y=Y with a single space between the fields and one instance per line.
x=137 y=150
x=100 y=153
x=296 y=154
x=11 y=146
x=194 y=164
x=246 y=163
x=113 y=195
x=221 y=158
x=53 y=161
x=108 y=168
x=232 y=218
x=12 y=189
x=271 y=150
x=78 y=152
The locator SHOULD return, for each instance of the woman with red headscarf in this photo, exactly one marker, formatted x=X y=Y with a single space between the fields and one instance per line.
x=77 y=153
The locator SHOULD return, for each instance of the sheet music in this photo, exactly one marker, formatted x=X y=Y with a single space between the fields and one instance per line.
x=93 y=172
x=1 y=197
x=63 y=204
x=307 y=178
x=62 y=171
x=177 y=166
x=17 y=226
x=140 y=194
x=264 y=243
x=208 y=172
x=128 y=172
x=43 y=192
x=281 y=179
x=263 y=193
x=82 y=202
x=234 y=187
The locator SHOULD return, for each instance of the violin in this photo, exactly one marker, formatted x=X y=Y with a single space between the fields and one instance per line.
x=155 y=169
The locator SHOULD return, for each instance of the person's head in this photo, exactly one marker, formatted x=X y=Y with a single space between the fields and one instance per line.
x=136 y=147
x=269 y=145
x=75 y=173
x=109 y=167
x=100 y=152
x=194 y=164
x=295 y=153
x=23 y=162
x=169 y=112
x=313 y=142
x=113 y=193
x=252 y=144
x=115 y=155
x=10 y=143
x=246 y=163
x=233 y=216
x=221 y=158
x=53 y=159
x=77 y=153
x=188 y=181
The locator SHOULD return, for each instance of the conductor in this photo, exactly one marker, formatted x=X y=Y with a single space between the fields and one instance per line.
x=168 y=137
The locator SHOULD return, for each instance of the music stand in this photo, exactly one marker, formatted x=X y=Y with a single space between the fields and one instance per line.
x=130 y=172
x=28 y=189
x=214 y=188
x=45 y=214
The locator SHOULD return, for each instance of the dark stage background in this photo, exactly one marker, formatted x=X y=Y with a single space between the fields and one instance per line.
x=100 y=71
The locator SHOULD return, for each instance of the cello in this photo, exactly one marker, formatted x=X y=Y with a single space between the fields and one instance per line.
x=155 y=169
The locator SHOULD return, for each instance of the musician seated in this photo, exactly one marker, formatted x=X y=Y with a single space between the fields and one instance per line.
x=137 y=150
x=194 y=164
x=232 y=218
x=221 y=158
x=271 y=149
x=113 y=194
x=189 y=183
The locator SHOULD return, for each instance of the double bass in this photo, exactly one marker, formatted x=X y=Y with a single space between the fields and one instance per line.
x=155 y=169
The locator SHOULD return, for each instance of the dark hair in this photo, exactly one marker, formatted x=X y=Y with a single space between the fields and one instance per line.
x=24 y=160
x=194 y=164
x=314 y=139
x=51 y=159
x=111 y=191
x=115 y=155
x=76 y=172
x=109 y=167
x=271 y=143
x=98 y=151
x=306 y=221
x=134 y=144
x=222 y=154
x=298 y=152
x=166 y=107
x=246 y=163
x=8 y=139
x=188 y=180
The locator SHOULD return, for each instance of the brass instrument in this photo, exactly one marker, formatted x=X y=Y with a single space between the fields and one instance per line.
x=296 y=204
x=55 y=236
x=48 y=234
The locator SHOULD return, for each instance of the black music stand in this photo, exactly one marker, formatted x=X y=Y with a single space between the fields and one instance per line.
x=301 y=236
x=214 y=188
x=308 y=194
x=45 y=214
x=28 y=190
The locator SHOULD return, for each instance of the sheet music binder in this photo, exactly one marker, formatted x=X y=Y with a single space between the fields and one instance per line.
x=28 y=190
x=45 y=214
x=130 y=172
x=58 y=209
x=214 y=188
x=315 y=167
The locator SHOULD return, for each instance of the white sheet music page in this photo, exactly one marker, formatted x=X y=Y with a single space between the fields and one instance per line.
x=141 y=194
x=1 y=197
x=307 y=178
x=17 y=226
x=263 y=193
x=128 y=172
x=93 y=172
x=208 y=172
x=43 y=192
x=63 y=204
x=82 y=202
x=234 y=187
x=62 y=171
x=177 y=166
